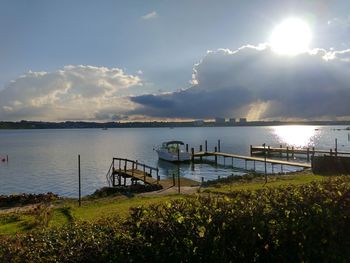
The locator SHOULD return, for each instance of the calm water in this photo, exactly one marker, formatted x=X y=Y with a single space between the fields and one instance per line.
x=46 y=160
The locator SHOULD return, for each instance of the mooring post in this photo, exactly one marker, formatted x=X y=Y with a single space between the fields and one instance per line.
x=206 y=145
x=336 y=147
x=251 y=150
x=79 y=180
x=292 y=151
x=268 y=150
x=219 y=145
x=192 y=154
x=215 y=156
x=200 y=150
x=287 y=153
x=187 y=147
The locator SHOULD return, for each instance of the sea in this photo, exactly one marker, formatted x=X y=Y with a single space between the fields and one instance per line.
x=46 y=160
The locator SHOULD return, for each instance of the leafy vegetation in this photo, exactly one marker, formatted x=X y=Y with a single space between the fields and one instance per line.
x=306 y=222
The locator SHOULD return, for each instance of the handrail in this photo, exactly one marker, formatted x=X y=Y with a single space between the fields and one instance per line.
x=108 y=175
x=135 y=162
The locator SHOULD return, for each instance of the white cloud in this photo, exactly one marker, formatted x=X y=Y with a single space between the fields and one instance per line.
x=151 y=15
x=74 y=92
x=257 y=83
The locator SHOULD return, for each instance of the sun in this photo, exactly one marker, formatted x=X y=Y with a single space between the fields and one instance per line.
x=291 y=37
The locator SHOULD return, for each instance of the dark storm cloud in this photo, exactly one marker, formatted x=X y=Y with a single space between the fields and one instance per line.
x=257 y=83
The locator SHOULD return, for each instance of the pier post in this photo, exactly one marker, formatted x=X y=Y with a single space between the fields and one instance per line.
x=287 y=153
x=281 y=151
x=144 y=174
x=219 y=145
x=200 y=150
x=192 y=154
x=292 y=151
x=308 y=154
x=187 y=147
x=336 y=147
x=79 y=180
x=251 y=150
x=206 y=145
x=215 y=156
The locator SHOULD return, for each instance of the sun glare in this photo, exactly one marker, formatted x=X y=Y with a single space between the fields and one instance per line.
x=291 y=37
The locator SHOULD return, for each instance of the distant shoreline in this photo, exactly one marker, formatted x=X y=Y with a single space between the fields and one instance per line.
x=154 y=124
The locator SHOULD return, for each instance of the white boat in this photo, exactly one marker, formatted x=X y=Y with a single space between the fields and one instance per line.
x=173 y=151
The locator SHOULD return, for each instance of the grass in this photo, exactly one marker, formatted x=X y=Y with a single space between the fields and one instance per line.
x=258 y=182
x=92 y=209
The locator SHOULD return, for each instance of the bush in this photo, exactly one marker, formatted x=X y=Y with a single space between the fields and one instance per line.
x=26 y=199
x=290 y=224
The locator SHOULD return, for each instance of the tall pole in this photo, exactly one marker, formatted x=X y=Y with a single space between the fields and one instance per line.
x=178 y=177
x=79 y=180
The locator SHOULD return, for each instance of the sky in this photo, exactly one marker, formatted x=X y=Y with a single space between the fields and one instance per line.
x=114 y=60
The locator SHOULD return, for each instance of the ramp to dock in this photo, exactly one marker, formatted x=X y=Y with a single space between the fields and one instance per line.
x=122 y=168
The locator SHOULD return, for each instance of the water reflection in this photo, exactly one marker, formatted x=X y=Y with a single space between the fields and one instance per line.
x=296 y=135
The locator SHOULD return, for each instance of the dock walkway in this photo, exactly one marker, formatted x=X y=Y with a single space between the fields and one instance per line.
x=250 y=158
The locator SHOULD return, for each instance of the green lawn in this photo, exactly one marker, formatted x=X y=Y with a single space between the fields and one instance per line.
x=67 y=210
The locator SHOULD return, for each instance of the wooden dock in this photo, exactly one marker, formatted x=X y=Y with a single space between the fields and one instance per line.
x=122 y=168
x=250 y=158
x=291 y=151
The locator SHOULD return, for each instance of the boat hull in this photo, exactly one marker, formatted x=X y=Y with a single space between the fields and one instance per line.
x=174 y=157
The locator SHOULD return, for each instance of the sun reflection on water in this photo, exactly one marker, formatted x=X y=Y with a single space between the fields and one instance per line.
x=296 y=135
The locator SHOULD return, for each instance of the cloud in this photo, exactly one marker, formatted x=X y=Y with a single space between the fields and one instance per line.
x=151 y=15
x=72 y=93
x=255 y=82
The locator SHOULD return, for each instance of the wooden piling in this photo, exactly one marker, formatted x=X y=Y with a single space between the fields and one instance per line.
x=192 y=154
x=292 y=151
x=287 y=153
x=219 y=145
x=251 y=150
x=79 y=177
x=216 y=157
x=206 y=145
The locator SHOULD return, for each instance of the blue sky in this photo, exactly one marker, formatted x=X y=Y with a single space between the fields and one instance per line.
x=158 y=41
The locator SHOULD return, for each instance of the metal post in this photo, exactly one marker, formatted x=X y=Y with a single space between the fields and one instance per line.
x=79 y=180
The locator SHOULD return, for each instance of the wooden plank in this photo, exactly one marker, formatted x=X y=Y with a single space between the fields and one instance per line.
x=250 y=158
x=296 y=150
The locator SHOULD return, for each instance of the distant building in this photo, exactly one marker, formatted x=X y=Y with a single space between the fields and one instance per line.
x=242 y=120
x=232 y=120
x=199 y=122
x=220 y=120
